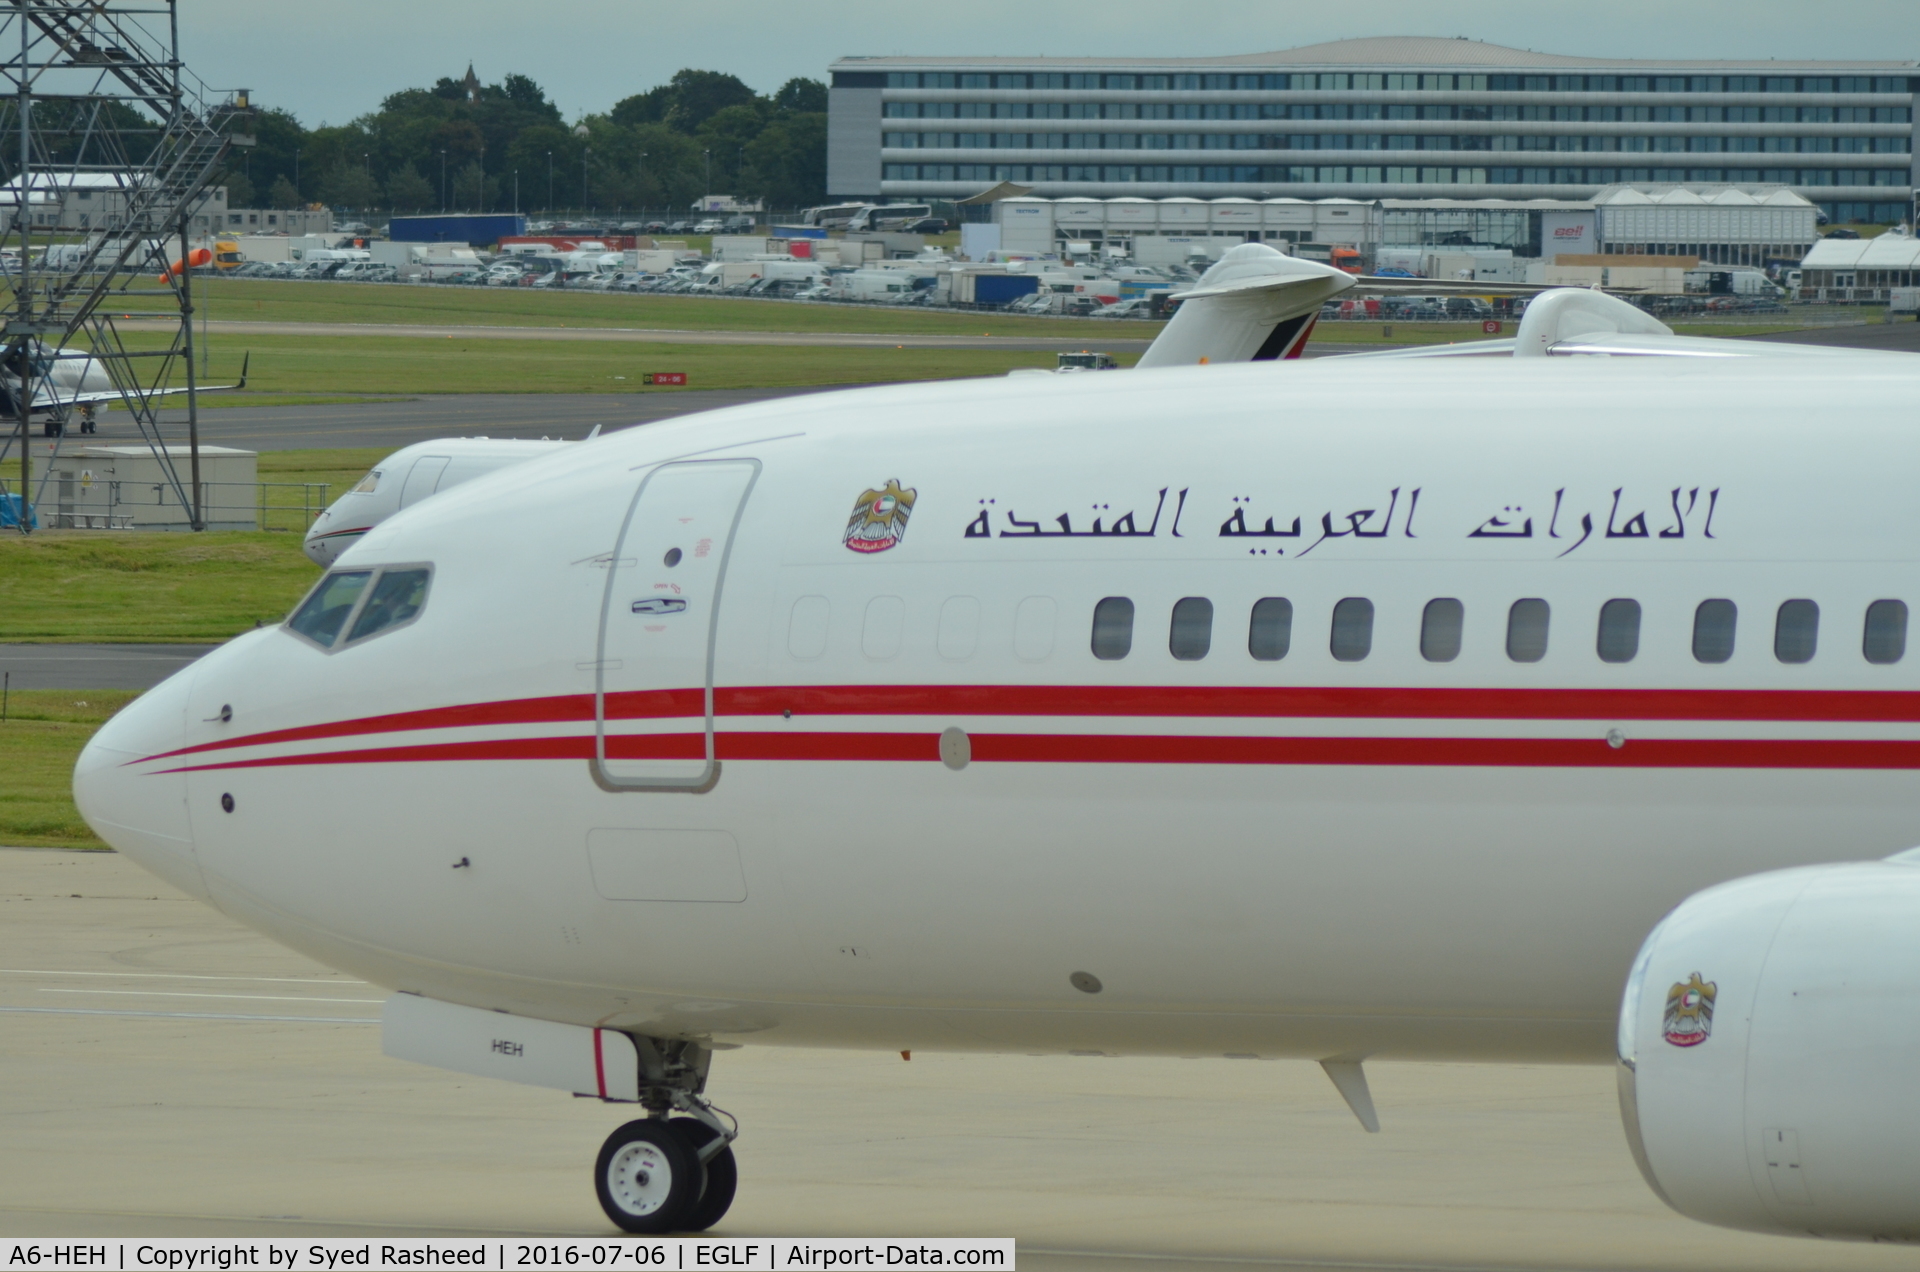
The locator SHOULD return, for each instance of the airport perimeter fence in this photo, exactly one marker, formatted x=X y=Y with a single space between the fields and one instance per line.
x=69 y=504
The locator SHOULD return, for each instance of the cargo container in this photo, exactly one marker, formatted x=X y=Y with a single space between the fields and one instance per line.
x=474 y=231
x=976 y=288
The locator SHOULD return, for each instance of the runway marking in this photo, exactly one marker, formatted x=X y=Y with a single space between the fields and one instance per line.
x=188 y=1015
x=270 y=998
x=277 y=980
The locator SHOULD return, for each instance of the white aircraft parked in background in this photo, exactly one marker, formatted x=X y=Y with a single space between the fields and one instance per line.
x=64 y=378
x=409 y=475
x=1374 y=707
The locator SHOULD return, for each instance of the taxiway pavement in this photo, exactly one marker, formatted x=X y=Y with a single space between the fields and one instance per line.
x=94 y=666
x=169 y=1073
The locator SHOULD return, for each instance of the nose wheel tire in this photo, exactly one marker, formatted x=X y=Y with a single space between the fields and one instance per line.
x=648 y=1178
x=723 y=1176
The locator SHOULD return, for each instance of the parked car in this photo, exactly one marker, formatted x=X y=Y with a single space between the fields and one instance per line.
x=1134 y=307
x=712 y=225
x=925 y=225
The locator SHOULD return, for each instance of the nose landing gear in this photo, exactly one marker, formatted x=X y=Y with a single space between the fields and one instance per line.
x=669 y=1174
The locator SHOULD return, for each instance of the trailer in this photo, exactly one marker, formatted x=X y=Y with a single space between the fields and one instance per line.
x=979 y=287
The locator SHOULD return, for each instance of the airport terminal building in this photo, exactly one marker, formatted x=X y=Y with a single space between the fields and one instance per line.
x=1387 y=118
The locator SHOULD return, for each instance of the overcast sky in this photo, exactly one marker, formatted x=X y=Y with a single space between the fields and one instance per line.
x=331 y=62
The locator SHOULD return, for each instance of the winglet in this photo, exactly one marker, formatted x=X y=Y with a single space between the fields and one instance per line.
x=1351 y=1081
x=590 y=436
x=246 y=360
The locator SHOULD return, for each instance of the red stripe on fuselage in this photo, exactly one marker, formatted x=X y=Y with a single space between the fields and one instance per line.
x=1200 y=702
x=1048 y=748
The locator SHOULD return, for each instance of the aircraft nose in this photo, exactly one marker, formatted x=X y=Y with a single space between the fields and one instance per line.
x=126 y=794
x=319 y=550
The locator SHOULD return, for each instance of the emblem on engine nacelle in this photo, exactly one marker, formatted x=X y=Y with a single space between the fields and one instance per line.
x=1689 y=1018
x=879 y=518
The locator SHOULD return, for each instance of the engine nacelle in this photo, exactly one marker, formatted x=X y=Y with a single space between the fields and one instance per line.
x=1770 y=1053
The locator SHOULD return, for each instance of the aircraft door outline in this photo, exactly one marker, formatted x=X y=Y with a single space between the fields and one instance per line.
x=423 y=478
x=659 y=622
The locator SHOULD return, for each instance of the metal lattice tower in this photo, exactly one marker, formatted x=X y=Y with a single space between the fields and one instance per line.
x=98 y=101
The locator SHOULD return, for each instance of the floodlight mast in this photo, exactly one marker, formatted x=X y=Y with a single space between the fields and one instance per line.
x=117 y=145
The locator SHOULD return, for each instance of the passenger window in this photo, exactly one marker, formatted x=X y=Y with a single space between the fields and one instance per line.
x=1885 y=640
x=1034 y=621
x=1527 y=630
x=1113 y=628
x=1352 y=629
x=326 y=608
x=1440 y=625
x=1713 y=624
x=959 y=627
x=368 y=483
x=1271 y=632
x=807 y=627
x=1619 y=638
x=880 y=633
x=1191 y=635
x=1796 y=631
x=395 y=599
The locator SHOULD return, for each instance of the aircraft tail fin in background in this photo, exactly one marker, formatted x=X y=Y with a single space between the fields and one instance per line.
x=1254 y=305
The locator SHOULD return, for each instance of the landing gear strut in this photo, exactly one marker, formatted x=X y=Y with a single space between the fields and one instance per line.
x=669 y=1174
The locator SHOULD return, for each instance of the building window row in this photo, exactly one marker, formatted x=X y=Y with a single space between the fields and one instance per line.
x=1400 y=82
x=1392 y=141
x=1527 y=628
x=1258 y=174
x=1391 y=111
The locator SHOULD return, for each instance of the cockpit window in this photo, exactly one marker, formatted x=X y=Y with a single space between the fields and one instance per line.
x=326 y=609
x=362 y=604
x=396 y=598
x=367 y=483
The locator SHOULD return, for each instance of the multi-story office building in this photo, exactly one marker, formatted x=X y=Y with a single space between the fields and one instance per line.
x=1400 y=117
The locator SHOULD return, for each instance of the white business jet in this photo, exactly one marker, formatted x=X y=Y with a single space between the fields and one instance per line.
x=63 y=378
x=1350 y=709
x=409 y=475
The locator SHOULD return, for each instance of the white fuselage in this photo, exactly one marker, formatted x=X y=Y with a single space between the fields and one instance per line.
x=1304 y=856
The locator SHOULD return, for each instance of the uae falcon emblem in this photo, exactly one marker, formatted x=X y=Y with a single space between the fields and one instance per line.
x=879 y=518
x=1689 y=1018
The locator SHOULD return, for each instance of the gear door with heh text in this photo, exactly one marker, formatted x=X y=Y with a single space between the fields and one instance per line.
x=653 y=701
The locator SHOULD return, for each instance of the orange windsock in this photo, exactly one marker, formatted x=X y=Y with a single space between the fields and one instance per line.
x=195 y=259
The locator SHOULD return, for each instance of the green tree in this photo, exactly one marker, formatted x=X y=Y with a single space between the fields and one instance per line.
x=474 y=190
x=700 y=95
x=240 y=192
x=528 y=152
x=348 y=185
x=788 y=162
x=801 y=96
x=279 y=148
x=408 y=191
x=727 y=134
x=283 y=195
x=650 y=107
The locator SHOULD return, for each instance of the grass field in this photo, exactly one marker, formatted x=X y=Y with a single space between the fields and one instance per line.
x=39 y=741
x=79 y=585
x=405 y=365
x=264 y=300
